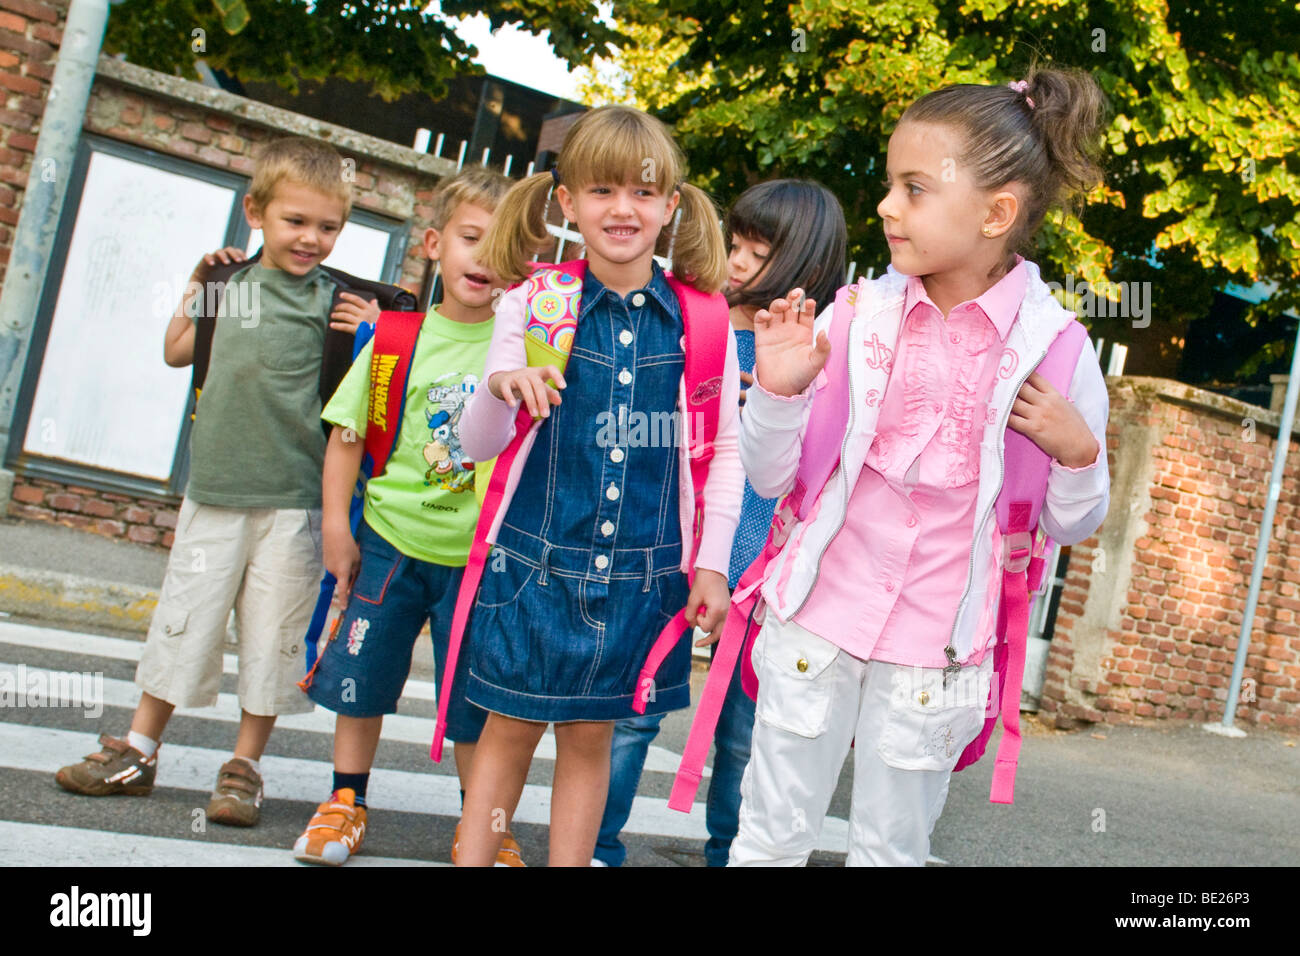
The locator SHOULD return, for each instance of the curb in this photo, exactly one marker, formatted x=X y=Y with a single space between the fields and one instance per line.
x=72 y=599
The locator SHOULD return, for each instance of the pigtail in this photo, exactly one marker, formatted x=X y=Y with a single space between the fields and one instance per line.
x=518 y=230
x=699 y=248
x=1068 y=113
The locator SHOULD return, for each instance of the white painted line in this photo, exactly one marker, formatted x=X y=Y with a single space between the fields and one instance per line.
x=658 y=759
x=45 y=750
x=32 y=844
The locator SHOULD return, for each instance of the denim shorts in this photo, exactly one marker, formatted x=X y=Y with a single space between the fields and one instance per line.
x=371 y=647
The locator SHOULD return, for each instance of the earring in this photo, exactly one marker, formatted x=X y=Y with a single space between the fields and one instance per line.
x=988 y=231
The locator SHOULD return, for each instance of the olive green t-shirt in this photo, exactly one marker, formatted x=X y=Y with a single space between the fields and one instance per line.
x=257 y=440
x=424 y=503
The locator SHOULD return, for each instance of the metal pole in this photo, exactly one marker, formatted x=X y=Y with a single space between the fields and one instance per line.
x=1261 y=552
x=47 y=184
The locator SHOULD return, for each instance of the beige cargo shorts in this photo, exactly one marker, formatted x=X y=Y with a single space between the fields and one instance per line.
x=266 y=564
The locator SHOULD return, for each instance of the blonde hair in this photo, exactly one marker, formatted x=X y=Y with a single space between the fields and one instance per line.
x=478 y=185
x=306 y=162
x=613 y=144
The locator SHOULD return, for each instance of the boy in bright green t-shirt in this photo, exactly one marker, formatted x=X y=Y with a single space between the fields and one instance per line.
x=406 y=563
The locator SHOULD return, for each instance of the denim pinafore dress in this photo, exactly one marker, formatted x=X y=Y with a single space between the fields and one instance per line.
x=586 y=570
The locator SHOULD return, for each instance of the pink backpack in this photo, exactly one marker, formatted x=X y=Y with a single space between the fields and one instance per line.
x=707 y=328
x=1018 y=505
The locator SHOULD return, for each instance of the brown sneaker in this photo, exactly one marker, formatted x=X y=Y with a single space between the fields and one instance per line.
x=237 y=801
x=117 y=768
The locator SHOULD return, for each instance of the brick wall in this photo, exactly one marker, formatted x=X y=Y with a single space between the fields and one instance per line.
x=1153 y=604
x=30 y=31
x=142 y=520
x=196 y=123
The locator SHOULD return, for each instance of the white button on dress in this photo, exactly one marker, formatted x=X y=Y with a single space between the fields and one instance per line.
x=612 y=492
x=602 y=562
x=625 y=377
x=625 y=337
x=638 y=300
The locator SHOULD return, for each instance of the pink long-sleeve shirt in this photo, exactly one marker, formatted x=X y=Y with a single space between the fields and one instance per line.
x=907 y=533
x=488 y=425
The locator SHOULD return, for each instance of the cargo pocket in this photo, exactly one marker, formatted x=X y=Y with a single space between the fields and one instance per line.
x=379 y=563
x=158 y=659
x=927 y=727
x=795 y=679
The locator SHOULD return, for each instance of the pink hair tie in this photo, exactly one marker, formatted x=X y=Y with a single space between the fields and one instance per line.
x=1020 y=86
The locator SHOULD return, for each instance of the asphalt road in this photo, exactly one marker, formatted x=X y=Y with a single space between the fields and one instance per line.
x=1116 y=796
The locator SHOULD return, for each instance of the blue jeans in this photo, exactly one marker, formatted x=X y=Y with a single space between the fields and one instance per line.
x=632 y=739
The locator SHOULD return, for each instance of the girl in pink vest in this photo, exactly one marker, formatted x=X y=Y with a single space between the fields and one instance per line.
x=595 y=540
x=881 y=606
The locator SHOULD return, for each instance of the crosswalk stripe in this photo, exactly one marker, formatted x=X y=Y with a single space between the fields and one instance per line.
x=23 y=844
x=45 y=750
x=396 y=726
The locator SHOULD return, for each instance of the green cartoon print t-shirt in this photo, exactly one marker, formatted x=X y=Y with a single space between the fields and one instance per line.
x=424 y=503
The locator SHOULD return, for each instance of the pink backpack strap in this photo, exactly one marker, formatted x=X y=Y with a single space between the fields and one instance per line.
x=1024 y=489
x=829 y=418
x=821 y=454
x=481 y=547
x=705 y=318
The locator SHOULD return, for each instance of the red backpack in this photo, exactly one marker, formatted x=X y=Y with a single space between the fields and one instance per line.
x=705 y=318
x=394 y=335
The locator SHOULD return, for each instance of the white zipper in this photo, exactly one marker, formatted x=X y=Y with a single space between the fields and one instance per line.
x=844 y=447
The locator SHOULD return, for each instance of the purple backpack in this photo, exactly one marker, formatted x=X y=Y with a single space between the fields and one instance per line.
x=1018 y=505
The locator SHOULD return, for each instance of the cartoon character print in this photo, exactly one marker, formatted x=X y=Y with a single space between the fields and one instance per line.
x=449 y=468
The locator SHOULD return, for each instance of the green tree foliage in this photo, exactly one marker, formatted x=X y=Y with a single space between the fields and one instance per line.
x=1203 y=177
x=396 y=46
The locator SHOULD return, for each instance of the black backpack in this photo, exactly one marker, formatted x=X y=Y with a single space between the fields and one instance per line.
x=338 y=356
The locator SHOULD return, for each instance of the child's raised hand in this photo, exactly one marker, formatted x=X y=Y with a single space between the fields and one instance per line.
x=225 y=256
x=1050 y=421
x=351 y=311
x=707 y=605
x=531 y=385
x=787 y=358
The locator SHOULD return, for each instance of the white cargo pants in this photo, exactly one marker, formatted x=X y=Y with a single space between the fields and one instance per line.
x=814 y=699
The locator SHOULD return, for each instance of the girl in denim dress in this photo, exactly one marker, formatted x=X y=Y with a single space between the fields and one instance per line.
x=595 y=540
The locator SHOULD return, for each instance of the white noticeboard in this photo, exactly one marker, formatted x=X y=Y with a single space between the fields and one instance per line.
x=105 y=398
x=360 y=250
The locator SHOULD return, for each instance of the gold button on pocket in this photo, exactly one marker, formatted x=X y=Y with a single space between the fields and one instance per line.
x=794 y=668
x=923 y=698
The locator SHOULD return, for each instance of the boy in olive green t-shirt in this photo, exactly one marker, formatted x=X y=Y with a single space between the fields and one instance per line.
x=406 y=564
x=248 y=536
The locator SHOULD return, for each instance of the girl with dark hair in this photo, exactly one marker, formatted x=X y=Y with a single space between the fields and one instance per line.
x=889 y=588
x=787 y=232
